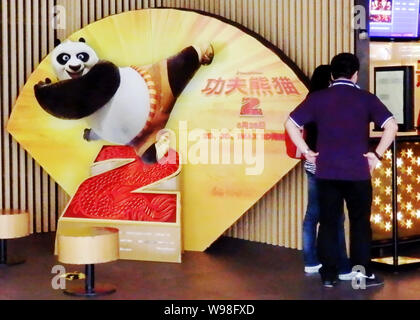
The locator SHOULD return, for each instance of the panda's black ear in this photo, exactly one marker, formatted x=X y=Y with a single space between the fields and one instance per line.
x=82 y=40
x=57 y=42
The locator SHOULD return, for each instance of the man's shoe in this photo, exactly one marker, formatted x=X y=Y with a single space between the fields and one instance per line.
x=314 y=269
x=329 y=283
x=372 y=281
x=347 y=276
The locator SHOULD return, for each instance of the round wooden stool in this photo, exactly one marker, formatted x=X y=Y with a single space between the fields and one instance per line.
x=89 y=246
x=13 y=224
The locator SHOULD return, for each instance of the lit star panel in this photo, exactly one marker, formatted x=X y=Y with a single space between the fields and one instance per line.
x=408 y=198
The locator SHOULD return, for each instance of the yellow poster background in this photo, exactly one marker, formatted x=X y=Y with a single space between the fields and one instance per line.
x=214 y=196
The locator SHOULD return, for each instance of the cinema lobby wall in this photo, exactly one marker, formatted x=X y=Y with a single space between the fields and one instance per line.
x=309 y=32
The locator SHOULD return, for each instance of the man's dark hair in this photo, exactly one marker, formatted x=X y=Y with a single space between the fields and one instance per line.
x=344 y=65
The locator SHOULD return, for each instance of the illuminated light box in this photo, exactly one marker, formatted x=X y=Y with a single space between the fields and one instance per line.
x=408 y=195
x=401 y=260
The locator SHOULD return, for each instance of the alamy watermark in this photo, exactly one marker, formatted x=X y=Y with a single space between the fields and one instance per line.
x=58 y=282
x=58 y=19
x=359 y=280
x=359 y=21
x=218 y=147
x=359 y=13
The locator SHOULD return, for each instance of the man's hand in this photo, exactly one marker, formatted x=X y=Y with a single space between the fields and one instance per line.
x=373 y=161
x=311 y=156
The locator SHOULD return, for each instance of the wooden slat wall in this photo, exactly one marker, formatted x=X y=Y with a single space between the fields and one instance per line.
x=310 y=32
x=26 y=36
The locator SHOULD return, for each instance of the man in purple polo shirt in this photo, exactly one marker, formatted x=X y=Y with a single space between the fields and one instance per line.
x=342 y=114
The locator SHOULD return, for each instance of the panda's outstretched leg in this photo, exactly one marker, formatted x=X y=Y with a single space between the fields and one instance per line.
x=183 y=66
x=171 y=76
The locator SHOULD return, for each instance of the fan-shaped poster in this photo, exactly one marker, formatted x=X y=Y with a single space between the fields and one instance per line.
x=216 y=92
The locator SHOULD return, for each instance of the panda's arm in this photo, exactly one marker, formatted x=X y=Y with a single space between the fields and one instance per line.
x=79 y=98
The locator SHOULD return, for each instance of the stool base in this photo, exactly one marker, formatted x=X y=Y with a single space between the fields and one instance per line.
x=99 y=290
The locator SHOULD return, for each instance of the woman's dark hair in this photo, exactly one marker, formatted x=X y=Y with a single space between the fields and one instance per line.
x=321 y=78
x=344 y=65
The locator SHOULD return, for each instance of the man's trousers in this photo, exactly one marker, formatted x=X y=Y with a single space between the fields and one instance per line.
x=358 y=198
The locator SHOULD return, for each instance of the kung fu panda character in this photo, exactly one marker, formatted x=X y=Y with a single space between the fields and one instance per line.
x=127 y=105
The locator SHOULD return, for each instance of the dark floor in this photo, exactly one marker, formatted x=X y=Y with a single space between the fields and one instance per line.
x=230 y=269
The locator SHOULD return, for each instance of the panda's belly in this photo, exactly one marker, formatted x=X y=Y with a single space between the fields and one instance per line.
x=126 y=114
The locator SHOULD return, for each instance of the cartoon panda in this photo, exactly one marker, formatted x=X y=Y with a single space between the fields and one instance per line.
x=127 y=105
